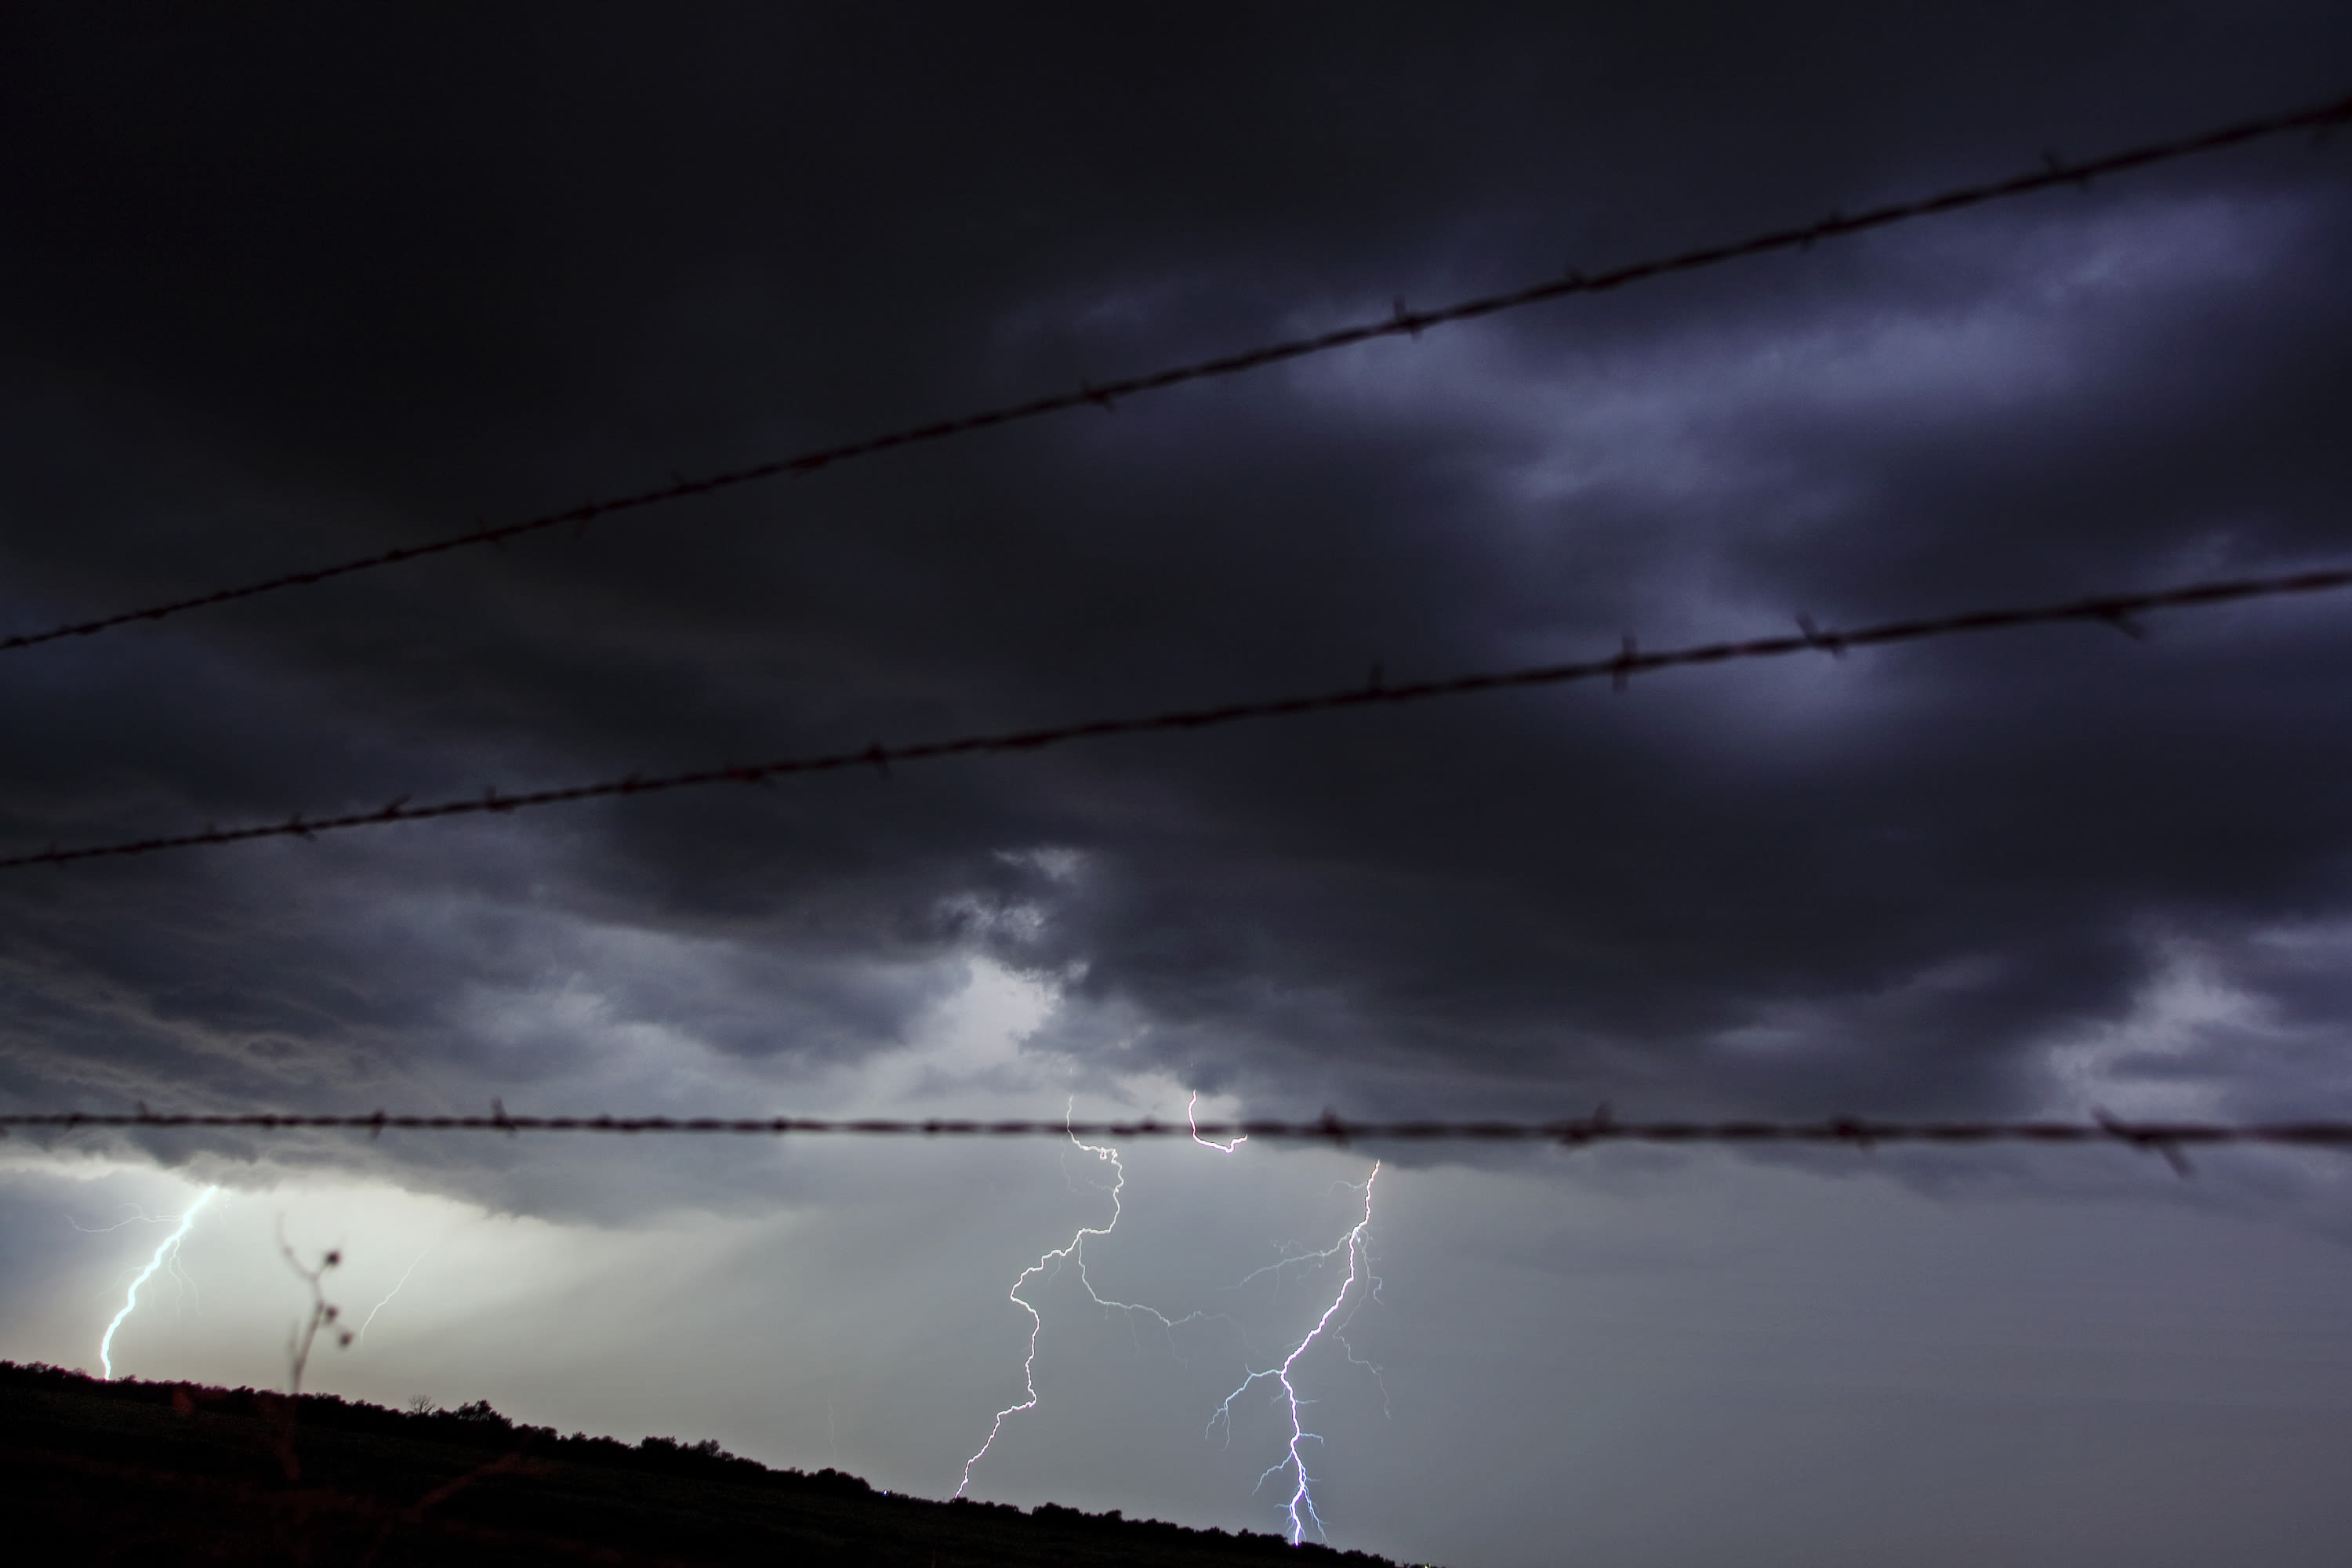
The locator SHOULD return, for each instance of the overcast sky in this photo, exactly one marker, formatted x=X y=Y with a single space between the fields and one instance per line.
x=283 y=291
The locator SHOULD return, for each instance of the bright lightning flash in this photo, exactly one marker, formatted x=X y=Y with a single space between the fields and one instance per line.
x=1073 y=1253
x=1301 y=1506
x=1207 y=1142
x=1300 y=1509
x=171 y=1246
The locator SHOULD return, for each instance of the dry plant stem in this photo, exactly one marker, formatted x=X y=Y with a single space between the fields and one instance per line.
x=298 y=1343
x=322 y=1312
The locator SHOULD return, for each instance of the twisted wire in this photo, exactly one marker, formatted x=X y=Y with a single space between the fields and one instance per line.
x=1404 y=322
x=2169 y=1139
x=2118 y=610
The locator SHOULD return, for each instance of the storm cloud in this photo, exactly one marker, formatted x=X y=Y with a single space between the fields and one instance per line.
x=284 y=291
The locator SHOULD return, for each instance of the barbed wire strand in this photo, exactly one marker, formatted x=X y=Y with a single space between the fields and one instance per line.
x=2167 y=1138
x=2118 y=610
x=1404 y=322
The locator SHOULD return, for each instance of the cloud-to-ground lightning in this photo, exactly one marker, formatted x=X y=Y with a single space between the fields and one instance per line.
x=1359 y=1282
x=1300 y=1509
x=1073 y=1253
x=170 y=1245
x=388 y=1295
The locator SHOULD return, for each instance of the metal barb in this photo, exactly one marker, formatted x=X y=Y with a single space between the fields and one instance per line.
x=2121 y=621
x=1829 y=642
x=1576 y=1134
x=1620 y=669
x=2149 y=1140
x=1854 y=1131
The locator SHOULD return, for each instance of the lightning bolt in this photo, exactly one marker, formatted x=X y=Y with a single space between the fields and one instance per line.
x=1074 y=1253
x=1300 y=1509
x=1206 y=1143
x=388 y=1295
x=171 y=1246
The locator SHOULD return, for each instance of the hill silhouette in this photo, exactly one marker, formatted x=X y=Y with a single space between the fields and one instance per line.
x=176 y=1472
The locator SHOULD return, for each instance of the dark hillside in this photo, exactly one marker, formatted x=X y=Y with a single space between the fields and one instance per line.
x=162 y=1472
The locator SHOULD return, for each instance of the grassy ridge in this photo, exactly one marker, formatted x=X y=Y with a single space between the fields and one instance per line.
x=163 y=1472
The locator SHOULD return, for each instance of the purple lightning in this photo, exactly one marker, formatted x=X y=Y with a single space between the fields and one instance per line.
x=1074 y=1253
x=168 y=1249
x=1301 y=1497
x=1300 y=1507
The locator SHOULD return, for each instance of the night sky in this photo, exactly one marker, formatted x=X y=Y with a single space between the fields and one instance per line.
x=284 y=289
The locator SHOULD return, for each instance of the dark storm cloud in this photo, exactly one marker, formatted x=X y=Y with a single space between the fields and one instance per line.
x=280 y=294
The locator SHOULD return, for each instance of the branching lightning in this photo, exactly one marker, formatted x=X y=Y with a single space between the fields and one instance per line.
x=1073 y=1253
x=1359 y=1284
x=138 y=1215
x=1300 y=1509
x=169 y=1249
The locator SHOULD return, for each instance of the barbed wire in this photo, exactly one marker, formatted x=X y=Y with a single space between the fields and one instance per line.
x=2168 y=1138
x=1403 y=323
x=2117 y=610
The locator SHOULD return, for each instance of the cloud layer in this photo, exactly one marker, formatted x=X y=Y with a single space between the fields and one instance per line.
x=282 y=292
